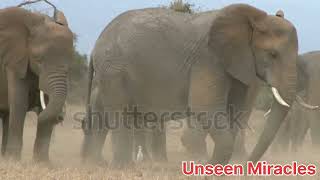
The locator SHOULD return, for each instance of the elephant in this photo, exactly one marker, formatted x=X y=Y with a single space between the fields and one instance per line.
x=145 y=59
x=302 y=118
x=293 y=131
x=35 y=53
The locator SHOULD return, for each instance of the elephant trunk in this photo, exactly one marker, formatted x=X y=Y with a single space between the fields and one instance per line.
x=57 y=83
x=275 y=119
x=284 y=96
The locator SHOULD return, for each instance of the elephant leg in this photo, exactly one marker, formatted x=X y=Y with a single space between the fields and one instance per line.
x=42 y=142
x=94 y=139
x=159 y=143
x=297 y=140
x=314 y=118
x=218 y=125
x=122 y=145
x=223 y=146
x=117 y=98
x=241 y=99
x=299 y=128
x=194 y=140
x=18 y=91
x=282 y=140
x=208 y=98
x=93 y=146
x=5 y=127
x=240 y=152
x=301 y=137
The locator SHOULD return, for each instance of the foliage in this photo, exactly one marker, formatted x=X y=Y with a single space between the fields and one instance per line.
x=77 y=78
x=181 y=6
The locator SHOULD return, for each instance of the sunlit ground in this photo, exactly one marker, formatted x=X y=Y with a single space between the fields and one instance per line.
x=66 y=164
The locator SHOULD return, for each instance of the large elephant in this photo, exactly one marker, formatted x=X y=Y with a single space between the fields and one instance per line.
x=302 y=118
x=146 y=58
x=35 y=52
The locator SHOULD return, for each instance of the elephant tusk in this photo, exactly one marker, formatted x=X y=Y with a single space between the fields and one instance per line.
x=278 y=97
x=42 y=101
x=267 y=113
x=304 y=104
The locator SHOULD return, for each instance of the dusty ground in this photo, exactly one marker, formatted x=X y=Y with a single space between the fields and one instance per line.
x=65 y=153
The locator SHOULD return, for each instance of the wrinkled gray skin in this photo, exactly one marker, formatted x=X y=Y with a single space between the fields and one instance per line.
x=195 y=144
x=150 y=58
x=35 y=53
x=193 y=139
x=300 y=119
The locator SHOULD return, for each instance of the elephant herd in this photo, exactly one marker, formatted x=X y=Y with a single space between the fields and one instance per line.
x=150 y=66
x=301 y=117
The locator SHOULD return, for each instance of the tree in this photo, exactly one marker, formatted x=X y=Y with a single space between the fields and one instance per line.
x=77 y=78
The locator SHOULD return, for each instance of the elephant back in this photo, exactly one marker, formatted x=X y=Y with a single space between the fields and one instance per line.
x=308 y=70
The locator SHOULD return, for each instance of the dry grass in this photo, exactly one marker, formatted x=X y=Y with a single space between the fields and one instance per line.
x=65 y=156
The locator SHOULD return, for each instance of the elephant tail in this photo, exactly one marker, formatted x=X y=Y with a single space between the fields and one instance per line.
x=87 y=123
x=90 y=77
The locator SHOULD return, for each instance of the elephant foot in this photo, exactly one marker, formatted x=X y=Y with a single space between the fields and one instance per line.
x=44 y=163
x=13 y=154
x=94 y=160
x=41 y=158
x=41 y=151
x=240 y=156
x=223 y=148
x=12 y=157
x=160 y=155
x=92 y=155
x=161 y=159
x=121 y=161
x=146 y=159
x=196 y=146
x=121 y=164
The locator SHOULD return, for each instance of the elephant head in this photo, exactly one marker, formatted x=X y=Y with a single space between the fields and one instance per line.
x=254 y=44
x=36 y=43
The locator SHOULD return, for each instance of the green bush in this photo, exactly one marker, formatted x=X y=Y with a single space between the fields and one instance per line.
x=181 y=6
x=77 y=77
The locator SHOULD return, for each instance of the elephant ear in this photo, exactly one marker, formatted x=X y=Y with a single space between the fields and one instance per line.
x=15 y=51
x=230 y=38
x=14 y=38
